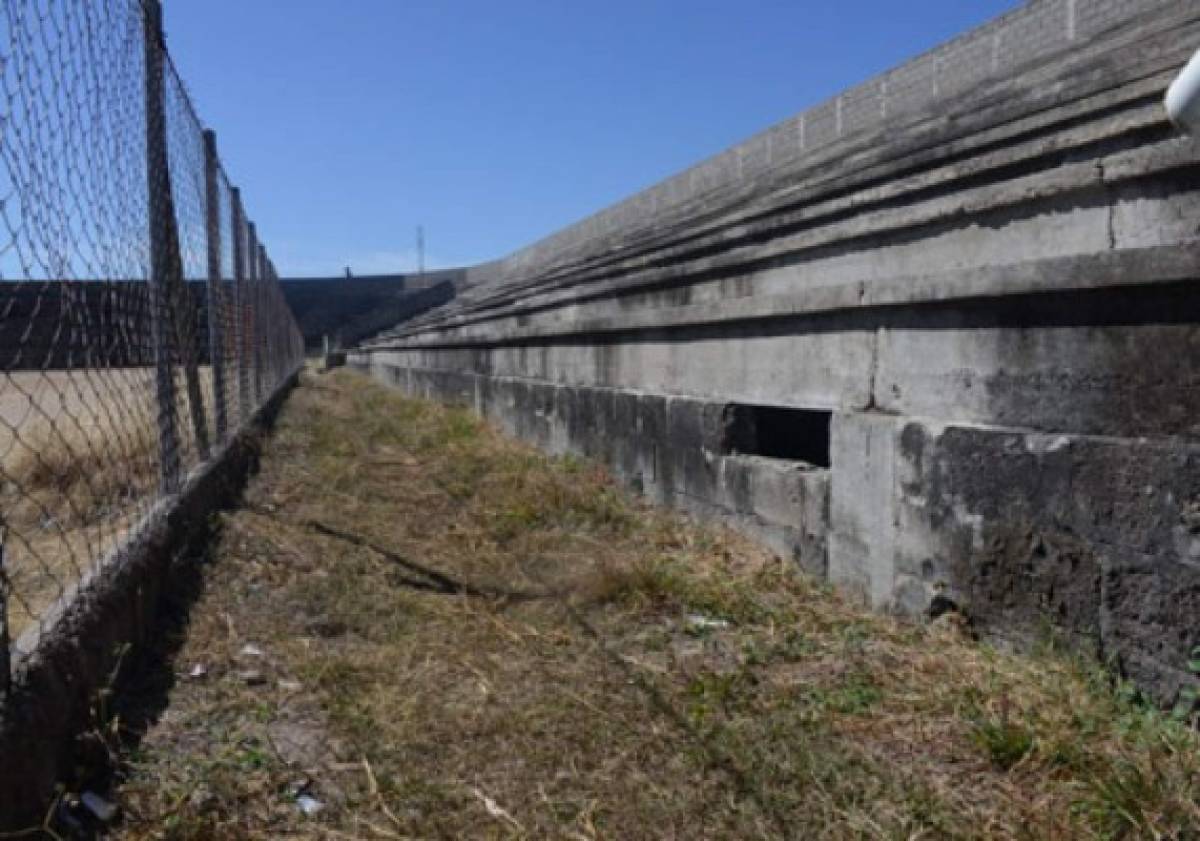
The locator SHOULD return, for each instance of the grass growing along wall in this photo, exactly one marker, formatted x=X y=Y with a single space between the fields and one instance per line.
x=594 y=668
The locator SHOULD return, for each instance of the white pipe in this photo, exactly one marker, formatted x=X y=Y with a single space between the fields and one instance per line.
x=1183 y=97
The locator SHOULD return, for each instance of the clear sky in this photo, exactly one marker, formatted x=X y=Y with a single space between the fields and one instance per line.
x=496 y=122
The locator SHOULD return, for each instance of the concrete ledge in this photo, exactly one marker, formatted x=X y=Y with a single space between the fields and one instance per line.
x=1118 y=204
x=60 y=666
x=1155 y=265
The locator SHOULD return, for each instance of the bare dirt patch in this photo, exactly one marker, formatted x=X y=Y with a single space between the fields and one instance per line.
x=418 y=629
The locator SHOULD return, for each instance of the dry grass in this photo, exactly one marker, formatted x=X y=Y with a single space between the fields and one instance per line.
x=499 y=645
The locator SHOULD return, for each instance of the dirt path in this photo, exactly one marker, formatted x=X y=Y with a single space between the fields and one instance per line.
x=417 y=629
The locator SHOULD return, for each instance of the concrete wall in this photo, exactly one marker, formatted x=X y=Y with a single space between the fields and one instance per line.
x=347 y=309
x=977 y=270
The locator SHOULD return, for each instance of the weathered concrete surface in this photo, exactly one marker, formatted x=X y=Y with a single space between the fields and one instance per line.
x=1099 y=536
x=982 y=264
x=61 y=665
x=862 y=547
x=676 y=451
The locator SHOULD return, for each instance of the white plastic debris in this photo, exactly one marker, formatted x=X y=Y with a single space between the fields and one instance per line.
x=309 y=805
x=104 y=811
x=252 y=677
x=704 y=623
x=198 y=672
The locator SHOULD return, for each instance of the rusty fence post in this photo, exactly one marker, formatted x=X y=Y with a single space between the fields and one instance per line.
x=162 y=218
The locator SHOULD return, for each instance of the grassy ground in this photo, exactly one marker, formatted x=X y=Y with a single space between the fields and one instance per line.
x=437 y=633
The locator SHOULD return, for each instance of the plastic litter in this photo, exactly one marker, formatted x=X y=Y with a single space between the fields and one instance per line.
x=309 y=805
x=698 y=622
x=104 y=811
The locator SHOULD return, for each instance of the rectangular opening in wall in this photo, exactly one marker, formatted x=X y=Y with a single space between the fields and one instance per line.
x=773 y=432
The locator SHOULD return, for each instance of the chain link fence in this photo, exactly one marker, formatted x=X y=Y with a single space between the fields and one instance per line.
x=141 y=321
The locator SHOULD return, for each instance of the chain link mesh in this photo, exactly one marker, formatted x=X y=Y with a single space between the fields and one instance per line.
x=138 y=331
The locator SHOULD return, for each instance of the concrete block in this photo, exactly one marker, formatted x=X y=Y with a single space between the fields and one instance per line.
x=862 y=106
x=1095 y=17
x=779 y=491
x=784 y=140
x=966 y=61
x=911 y=87
x=862 y=502
x=1069 y=365
x=1160 y=212
x=754 y=156
x=821 y=125
x=1034 y=32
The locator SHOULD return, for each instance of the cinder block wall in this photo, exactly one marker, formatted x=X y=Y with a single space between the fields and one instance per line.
x=936 y=339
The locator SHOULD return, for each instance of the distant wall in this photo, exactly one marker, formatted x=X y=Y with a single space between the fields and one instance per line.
x=394 y=311
x=331 y=306
x=59 y=325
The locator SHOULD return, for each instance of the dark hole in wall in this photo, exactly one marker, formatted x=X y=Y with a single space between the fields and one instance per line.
x=772 y=432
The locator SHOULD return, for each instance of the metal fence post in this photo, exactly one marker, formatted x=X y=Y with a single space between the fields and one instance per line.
x=263 y=371
x=216 y=327
x=268 y=360
x=253 y=321
x=239 y=307
x=162 y=216
x=5 y=638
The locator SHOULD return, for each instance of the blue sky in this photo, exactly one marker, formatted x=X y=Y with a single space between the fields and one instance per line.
x=495 y=122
